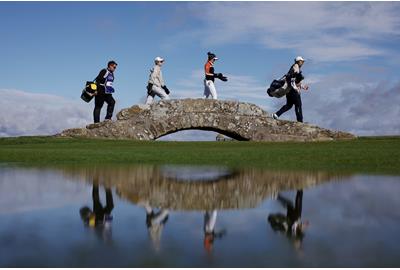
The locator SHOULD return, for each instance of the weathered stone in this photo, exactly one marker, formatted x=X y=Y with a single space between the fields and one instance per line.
x=239 y=120
x=239 y=188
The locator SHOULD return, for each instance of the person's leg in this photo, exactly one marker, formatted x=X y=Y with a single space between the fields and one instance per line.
x=97 y=206
x=284 y=201
x=299 y=202
x=110 y=105
x=206 y=90
x=98 y=104
x=287 y=106
x=149 y=99
x=213 y=91
x=298 y=107
x=209 y=221
x=160 y=92
x=109 y=201
x=160 y=217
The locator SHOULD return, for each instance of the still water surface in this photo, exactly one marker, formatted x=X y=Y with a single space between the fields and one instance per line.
x=176 y=216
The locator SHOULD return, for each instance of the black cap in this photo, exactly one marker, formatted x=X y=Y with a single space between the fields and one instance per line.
x=211 y=56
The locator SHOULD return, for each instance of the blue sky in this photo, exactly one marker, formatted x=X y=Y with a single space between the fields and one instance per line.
x=49 y=49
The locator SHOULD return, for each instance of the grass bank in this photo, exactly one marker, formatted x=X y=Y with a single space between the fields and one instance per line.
x=364 y=155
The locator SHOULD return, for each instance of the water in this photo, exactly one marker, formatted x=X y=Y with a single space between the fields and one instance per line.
x=177 y=216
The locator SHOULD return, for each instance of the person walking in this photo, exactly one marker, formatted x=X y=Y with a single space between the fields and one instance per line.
x=210 y=75
x=210 y=219
x=155 y=222
x=294 y=78
x=99 y=218
x=156 y=85
x=291 y=223
x=105 y=90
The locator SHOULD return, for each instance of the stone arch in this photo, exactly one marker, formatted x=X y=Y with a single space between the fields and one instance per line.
x=227 y=133
x=238 y=120
x=242 y=188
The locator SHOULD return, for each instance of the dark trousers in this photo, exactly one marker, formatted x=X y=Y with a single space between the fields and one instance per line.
x=98 y=104
x=293 y=212
x=98 y=208
x=292 y=98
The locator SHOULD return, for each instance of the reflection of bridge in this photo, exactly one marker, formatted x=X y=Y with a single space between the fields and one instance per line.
x=244 y=188
x=238 y=120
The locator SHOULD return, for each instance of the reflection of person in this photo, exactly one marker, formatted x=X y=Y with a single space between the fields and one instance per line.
x=291 y=224
x=210 y=219
x=155 y=222
x=100 y=217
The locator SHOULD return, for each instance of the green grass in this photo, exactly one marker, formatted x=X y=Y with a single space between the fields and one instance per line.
x=364 y=155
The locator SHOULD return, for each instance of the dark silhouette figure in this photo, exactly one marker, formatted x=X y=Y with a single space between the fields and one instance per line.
x=100 y=217
x=291 y=223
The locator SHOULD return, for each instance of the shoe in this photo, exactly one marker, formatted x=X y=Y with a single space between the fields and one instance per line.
x=275 y=116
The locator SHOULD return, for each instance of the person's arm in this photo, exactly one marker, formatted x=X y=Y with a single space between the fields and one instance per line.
x=161 y=79
x=155 y=75
x=295 y=70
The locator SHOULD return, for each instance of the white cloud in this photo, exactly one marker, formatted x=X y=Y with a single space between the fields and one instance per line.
x=323 y=31
x=27 y=190
x=23 y=113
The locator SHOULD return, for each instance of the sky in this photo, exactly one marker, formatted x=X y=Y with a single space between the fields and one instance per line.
x=50 y=49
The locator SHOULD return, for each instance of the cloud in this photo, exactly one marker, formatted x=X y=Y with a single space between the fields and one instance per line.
x=323 y=31
x=27 y=190
x=23 y=113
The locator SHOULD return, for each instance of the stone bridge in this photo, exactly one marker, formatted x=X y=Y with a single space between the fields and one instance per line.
x=238 y=120
x=236 y=189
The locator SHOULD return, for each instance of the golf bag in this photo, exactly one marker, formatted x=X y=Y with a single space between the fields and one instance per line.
x=89 y=92
x=278 y=88
x=281 y=87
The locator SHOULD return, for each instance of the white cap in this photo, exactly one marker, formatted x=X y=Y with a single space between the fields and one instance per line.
x=299 y=58
x=158 y=59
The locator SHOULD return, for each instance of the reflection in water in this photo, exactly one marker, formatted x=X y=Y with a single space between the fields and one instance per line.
x=100 y=217
x=50 y=234
x=210 y=219
x=291 y=223
x=233 y=189
x=155 y=221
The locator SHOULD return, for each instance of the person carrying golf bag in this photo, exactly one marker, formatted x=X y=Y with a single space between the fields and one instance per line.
x=156 y=85
x=209 y=87
x=293 y=97
x=104 y=93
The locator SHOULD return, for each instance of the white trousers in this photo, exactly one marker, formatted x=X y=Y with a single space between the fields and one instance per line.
x=210 y=218
x=209 y=89
x=156 y=91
